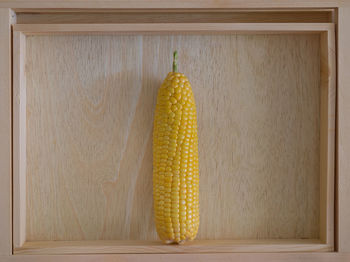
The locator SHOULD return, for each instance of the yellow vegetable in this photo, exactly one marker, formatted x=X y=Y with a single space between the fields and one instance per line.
x=175 y=160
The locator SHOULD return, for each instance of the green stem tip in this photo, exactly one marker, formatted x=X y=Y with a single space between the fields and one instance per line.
x=175 y=61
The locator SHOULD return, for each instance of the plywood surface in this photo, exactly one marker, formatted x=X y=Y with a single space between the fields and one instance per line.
x=90 y=102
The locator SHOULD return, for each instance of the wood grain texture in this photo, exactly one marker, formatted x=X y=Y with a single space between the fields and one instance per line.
x=343 y=131
x=228 y=16
x=5 y=132
x=19 y=139
x=90 y=102
x=173 y=28
x=327 y=136
x=158 y=4
x=198 y=246
x=239 y=257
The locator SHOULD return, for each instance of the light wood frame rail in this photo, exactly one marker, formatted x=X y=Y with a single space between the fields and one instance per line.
x=11 y=222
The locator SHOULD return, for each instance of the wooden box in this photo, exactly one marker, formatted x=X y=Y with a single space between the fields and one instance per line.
x=84 y=88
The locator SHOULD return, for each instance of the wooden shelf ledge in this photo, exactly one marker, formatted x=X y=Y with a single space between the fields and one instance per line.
x=199 y=246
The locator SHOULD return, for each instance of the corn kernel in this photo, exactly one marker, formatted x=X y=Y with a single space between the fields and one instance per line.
x=175 y=160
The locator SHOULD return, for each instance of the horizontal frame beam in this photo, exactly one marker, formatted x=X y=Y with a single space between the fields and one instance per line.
x=237 y=257
x=88 y=4
x=256 y=28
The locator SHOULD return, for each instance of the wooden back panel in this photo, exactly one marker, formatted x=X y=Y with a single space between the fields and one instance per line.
x=90 y=102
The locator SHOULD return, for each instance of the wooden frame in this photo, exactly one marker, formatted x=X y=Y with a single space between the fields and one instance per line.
x=343 y=193
x=250 y=28
x=327 y=142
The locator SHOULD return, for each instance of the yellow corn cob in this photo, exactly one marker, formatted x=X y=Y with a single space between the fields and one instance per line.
x=175 y=160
